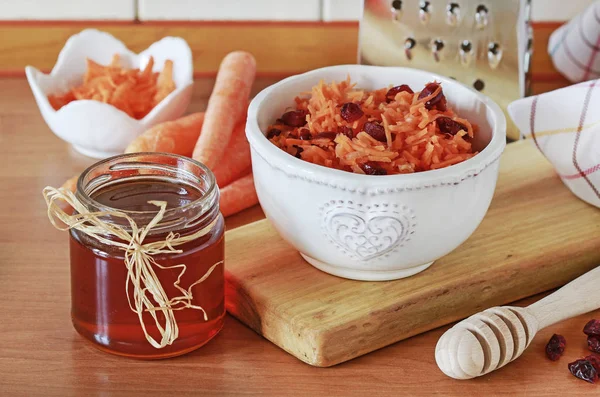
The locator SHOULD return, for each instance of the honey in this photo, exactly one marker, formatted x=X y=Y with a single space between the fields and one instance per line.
x=101 y=310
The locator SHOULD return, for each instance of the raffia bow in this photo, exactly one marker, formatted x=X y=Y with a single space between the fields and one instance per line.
x=142 y=281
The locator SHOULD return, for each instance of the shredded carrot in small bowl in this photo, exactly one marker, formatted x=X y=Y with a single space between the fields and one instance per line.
x=134 y=91
x=383 y=132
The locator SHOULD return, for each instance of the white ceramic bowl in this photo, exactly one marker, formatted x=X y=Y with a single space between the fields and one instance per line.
x=367 y=227
x=97 y=129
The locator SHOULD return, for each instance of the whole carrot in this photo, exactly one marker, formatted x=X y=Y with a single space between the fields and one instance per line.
x=236 y=161
x=238 y=195
x=177 y=136
x=226 y=106
x=71 y=183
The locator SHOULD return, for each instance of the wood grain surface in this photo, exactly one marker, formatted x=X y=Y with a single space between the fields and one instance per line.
x=41 y=354
x=525 y=245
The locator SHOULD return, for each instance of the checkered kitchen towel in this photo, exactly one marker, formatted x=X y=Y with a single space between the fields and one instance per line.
x=565 y=126
x=575 y=46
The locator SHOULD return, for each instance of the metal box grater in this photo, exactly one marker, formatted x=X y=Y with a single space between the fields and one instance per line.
x=485 y=44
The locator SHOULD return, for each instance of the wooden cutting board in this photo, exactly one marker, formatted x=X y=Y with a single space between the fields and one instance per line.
x=536 y=236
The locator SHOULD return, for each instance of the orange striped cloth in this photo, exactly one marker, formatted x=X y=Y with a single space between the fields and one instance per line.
x=565 y=126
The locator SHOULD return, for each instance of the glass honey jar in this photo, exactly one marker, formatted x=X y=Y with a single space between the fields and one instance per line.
x=159 y=293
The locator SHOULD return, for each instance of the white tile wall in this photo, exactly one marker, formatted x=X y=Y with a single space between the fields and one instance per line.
x=295 y=10
x=342 y=10
x=67 y=9
x=557 y=10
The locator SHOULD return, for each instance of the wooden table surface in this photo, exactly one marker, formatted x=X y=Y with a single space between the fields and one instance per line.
x=40 y=352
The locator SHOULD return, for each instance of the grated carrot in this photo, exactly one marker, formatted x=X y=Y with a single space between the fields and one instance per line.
x=412 y=142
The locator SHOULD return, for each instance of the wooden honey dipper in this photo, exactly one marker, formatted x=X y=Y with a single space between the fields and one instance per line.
x=491 y=339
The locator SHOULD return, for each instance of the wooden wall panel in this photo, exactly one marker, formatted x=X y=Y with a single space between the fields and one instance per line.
x=281 y=48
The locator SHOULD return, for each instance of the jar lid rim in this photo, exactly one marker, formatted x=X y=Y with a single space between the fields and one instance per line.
x=207 y=196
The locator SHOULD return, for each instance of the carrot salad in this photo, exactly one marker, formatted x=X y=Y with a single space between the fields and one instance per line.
x=383 y=132
x=134 y=91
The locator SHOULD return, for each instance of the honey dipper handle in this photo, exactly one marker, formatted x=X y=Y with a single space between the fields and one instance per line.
x=580 y=296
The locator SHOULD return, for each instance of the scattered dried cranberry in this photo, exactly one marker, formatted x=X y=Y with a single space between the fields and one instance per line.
x=438 y=101
x=391 y=94
x=349 y=132
x=584 y=369
x=304 y=134
x=328 y=135
x=592 y=328
x=595 y=360
x=594 y=343
x=556 y=347
x=294 y=118
x=273 y=132
x=372 y=168
x=375 y=130
x=449 y=126
x=351 y=112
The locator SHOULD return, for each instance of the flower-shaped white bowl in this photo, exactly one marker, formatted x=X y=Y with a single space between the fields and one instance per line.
x=367 y=227
x=94 y=128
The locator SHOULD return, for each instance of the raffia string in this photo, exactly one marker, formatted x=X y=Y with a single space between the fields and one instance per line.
x=142 y=281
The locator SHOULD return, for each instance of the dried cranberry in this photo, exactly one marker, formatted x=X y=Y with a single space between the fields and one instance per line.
x=449 y=126
x=594 y=343
x=555 y=347
x=391 y=94
x=294 y=118
x=375 y=130
x=592 y=328
x=438 y=101
x=351 y=112
x=349 y=132
x=584 y=369
x=273 y=132
x=595 y=360
x=304 y=134
x=372 y=168
x=328 y=135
